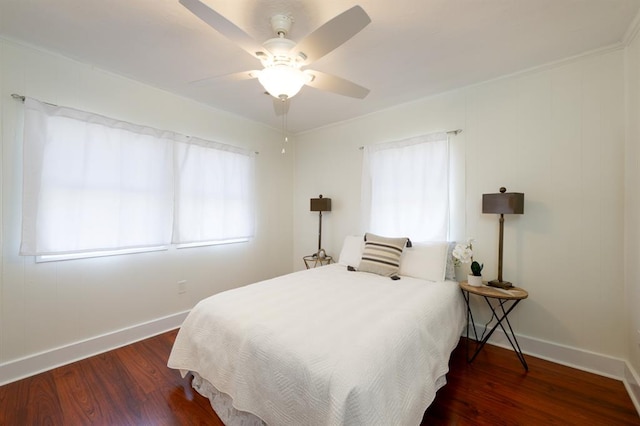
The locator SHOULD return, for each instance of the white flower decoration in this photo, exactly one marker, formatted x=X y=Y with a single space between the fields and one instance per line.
x=463 y=253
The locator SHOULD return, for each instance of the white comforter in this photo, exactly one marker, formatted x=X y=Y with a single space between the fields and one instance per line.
x=325 y=346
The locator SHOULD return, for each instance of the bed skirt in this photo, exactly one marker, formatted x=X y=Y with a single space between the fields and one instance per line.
x=222 y=404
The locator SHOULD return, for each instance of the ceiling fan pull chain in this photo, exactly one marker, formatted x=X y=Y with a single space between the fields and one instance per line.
x=285 y=139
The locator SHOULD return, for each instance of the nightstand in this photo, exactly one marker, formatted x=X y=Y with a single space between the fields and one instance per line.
x=506 y=301
x=312 y=261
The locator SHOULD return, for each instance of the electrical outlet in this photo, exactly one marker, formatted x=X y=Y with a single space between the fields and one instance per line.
x=182 y=286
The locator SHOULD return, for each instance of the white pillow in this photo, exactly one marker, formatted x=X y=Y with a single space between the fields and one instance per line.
x=425 y=260
x=352 y=249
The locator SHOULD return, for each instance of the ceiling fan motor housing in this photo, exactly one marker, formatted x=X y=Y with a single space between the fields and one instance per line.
x=279 y=47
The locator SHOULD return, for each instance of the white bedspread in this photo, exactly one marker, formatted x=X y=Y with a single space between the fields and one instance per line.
x=325 y=346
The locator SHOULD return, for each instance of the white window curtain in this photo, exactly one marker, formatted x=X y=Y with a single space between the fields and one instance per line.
x=92 y=183
x=214 y=193
x=405 y=188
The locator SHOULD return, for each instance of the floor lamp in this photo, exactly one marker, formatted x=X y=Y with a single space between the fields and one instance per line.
x=502 y=203
x=320 y=205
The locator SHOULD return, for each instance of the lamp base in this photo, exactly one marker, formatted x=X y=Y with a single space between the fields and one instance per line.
x=500 y=284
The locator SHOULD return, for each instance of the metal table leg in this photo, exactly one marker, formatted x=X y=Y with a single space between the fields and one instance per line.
x=499 y=319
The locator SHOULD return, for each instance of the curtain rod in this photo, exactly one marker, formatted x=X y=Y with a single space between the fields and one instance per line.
x=449 y=132
x=21 y=98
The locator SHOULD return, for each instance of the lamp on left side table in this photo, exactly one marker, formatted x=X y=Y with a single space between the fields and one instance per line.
x=320 y=205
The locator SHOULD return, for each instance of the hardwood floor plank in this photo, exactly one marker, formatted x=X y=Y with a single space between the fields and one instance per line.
x=109 y=382
x=42 y=396
x=133 y=386
x=74 y=392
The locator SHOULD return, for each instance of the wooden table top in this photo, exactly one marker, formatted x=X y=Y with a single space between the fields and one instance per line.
x=513 y=293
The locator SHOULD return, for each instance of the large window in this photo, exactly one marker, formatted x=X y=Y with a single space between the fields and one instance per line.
x=92 y=183
x=406 y=188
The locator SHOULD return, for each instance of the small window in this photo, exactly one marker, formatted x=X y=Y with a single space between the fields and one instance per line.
x=406 y=188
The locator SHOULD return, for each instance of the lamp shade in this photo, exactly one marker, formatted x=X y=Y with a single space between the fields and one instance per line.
x=321 y=204
x=503 y=202
x=282 y=81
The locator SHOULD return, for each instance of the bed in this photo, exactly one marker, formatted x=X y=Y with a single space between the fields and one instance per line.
x=325 y=346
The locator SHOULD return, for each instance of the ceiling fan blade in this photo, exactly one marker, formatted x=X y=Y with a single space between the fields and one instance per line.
x=331 y=83
x=236 y=76
x=280 y=106
x=332 y=34
x=224 y=26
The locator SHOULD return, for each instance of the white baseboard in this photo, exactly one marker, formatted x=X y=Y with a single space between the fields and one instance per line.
x=632 y=383
x=591 y=362
x=34 y=364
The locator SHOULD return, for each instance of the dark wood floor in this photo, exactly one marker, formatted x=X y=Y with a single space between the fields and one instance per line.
x=133 y=386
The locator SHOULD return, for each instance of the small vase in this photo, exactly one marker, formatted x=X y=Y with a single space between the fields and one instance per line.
x=475 y=281
x=461 y=272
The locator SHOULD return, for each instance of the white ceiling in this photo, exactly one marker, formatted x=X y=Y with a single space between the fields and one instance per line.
x=411 y=49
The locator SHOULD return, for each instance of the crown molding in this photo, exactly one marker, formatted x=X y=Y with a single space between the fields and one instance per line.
x=632 y=31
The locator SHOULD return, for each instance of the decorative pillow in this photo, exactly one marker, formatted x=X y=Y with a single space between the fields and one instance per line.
x=450 y=273
x=351 y=252
x=381 y=255
x=425 y=260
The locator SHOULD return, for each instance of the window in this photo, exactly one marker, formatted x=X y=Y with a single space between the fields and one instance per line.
x=214 y=187
x=406 y=188
x=92 y=183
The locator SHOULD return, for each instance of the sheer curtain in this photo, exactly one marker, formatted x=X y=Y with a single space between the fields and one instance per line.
x=214 y=193
x=405 y=188
x=92 y=183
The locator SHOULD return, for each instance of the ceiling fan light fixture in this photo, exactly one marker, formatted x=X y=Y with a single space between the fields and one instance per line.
x=282 y=81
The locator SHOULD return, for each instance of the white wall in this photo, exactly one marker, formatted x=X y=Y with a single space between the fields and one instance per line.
x=556 y=134
x=46 y=306
x=632 y=204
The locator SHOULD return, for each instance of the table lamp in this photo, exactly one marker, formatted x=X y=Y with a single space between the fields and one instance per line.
x=502 y=203
x=320 y=205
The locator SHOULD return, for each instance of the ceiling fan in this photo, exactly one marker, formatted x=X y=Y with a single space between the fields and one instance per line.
x=282 y=59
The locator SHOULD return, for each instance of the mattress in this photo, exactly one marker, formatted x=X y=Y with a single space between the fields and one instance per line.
x=325 y=346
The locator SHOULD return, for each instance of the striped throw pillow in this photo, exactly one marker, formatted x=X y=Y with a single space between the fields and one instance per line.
x=381 y=255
